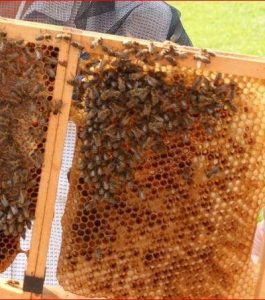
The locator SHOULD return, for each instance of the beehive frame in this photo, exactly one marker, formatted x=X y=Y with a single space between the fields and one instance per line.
x=226 y=63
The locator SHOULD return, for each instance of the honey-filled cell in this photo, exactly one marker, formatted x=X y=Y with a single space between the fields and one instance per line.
x=165 y=187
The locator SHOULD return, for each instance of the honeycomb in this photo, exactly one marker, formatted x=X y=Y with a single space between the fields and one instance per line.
x=167 y=179
x=27 y=75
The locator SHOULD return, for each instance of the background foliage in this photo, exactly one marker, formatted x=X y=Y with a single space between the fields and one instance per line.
x=237 y=27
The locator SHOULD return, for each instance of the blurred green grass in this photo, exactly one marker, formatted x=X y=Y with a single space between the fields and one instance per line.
x=237 y=27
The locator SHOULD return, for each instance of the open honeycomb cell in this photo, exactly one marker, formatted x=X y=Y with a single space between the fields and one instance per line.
x=167 y=178
x=24 y=115
x=9 y=247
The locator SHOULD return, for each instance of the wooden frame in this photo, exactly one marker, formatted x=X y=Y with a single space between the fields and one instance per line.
x=223 y=62
x=53 y=150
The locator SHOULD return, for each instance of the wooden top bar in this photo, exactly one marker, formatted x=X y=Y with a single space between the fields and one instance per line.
x=237 y=64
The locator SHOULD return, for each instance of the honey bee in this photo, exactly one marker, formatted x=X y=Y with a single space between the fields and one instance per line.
x=76 y=81
x=155 y=126
x=222 y=89
x=196 y=83
x=110 y=93
x=63 y=63
x=36 y=90
x=208 y=53
x=4 y=201
x=77 y=45
x=3 y=34
x=13 y=283
x=57 y=106
x=232 y=92
x=12 y=56
x=88 y=206
x=28 y=224
x=11 y=229
x=16 y=68
x=92 y=62
x=34 y=121
x=215 y=170
x=137 y=132
x=136 y=76
x=51 y=60
x=3 y=139
x=25 y=212
x=171 y=59
x=130 y=44
x=110 y=51
x=39 y=37
x=30 y=71
x=124 y=55
x=51 y=73
x=21 y=198
x=103 y=114
x=63 y=36
x=38 y=54
x=92 y=173
x=218 y=79
x=155 y=98
x=181 y=54
x=45 y=36
x=159 y=147
x=186 y=139
x=14 y=210
x=100 y=171
x=141 y=54
x=127 y=120
x=105 y=185
x=208 y=128
x=27 y=53
x=20 y=227
x=147 y=110
x=4 y=121
x=202 y=58
x=151 y=81
x=230 y=105
x=151 y=48
x=141 y=194
x=183 y=105
x=141 y=93
x=132 y=103
x=97 y=140
x=102 y=63
x=2 y=78
x=2 y=44
x=96 y=42
x=121 y=84
x=23 y=234
x=149 y=143
x=19 y=42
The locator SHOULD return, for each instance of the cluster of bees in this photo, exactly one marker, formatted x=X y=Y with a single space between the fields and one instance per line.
x=26 y=72
x=130 y=107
